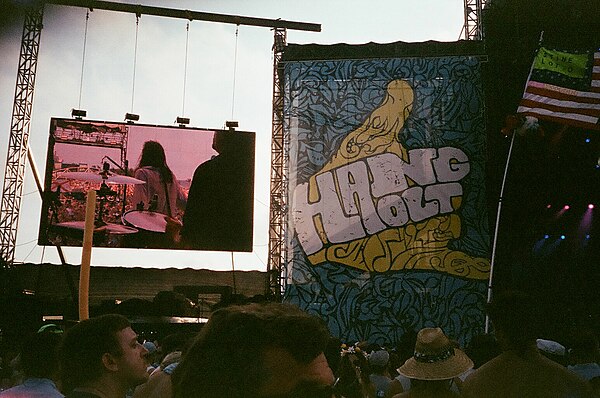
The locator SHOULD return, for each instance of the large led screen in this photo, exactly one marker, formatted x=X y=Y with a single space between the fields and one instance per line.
x=159 y=187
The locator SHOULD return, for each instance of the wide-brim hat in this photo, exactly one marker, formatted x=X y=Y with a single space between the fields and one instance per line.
x=435 y=358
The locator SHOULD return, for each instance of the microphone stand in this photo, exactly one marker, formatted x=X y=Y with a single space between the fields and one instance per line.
x=124 y=170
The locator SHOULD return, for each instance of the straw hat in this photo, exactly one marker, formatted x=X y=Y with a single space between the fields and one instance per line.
x=435 y=358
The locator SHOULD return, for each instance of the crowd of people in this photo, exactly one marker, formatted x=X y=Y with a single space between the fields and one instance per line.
x=275 y=350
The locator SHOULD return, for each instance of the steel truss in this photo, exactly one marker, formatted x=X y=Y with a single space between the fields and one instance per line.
x=276 y=269
x=12 y=190
x=473 y=19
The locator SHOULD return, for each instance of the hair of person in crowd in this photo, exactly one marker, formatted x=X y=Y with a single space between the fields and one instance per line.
x=481 y=348
x=515 y=320
x=227 y=358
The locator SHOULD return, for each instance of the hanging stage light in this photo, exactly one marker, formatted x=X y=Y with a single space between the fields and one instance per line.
x=182 y=121
x=78 y=113
x=231 y=125
x=131 y=117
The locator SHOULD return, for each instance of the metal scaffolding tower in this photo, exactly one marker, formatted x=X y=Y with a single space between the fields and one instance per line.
x=278 y=198
x=12 y=189
x=473 y=12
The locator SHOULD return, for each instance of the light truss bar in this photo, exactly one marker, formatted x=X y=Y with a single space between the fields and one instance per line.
x=189 y=15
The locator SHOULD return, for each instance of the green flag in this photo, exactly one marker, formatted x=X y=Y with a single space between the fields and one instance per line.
x=573 y=65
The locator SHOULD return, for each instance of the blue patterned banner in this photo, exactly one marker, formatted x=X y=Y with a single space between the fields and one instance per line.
x=388 y=226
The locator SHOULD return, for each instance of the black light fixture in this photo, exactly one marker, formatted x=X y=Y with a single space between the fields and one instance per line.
x=78 y=113
x=182 y=121
x=231 y=124
x=131 y=117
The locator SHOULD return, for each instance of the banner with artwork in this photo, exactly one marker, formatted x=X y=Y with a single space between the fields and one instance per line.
x=387 y=228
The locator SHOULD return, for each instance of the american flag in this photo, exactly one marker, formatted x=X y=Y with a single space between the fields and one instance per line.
x=564 y=88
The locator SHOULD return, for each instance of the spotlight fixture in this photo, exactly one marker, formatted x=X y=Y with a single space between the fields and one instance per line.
x=567 y=207
x=182 y=121
x=591 y=206
x=231 y=124
x=78 y=113
x=131 y=117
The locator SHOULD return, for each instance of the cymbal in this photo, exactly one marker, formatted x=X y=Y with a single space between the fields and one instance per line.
x=117 y=229
x=72 y=225
x=94 y=177
x=146 y=220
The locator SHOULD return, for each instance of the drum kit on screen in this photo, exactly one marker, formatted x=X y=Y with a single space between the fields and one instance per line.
x=132 y=221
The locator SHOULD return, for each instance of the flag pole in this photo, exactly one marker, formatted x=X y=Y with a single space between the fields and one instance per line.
x=495 y=242
x=500 y=199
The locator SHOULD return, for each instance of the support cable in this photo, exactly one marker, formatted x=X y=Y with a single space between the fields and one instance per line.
x=233 y=274
x=87 y=17
x=187 y=41
x=137 y=27
x=237 y=28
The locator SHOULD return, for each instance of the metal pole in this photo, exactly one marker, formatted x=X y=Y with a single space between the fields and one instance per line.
x=494 y=244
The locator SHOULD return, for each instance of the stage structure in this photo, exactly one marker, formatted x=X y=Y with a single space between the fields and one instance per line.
x=15 y=165
x=388 y=228
x=12 y=189
x=473 y=27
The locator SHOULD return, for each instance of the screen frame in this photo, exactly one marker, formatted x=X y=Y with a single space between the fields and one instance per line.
x=50 y=198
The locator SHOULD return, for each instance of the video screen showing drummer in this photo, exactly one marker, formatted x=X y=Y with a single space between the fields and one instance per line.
x=158 y=204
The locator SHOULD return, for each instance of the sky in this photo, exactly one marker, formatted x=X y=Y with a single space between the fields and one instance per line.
x=228 y=76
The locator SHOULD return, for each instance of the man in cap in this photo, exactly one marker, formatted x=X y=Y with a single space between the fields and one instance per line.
x=520 y=370
x=39 y=360
x=380 y=377
x=102 y=358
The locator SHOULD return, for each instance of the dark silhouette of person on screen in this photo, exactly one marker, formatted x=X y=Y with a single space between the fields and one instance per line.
x=220 y=203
